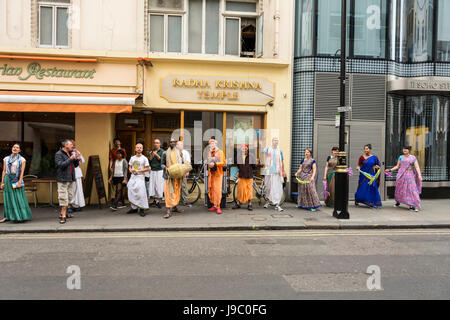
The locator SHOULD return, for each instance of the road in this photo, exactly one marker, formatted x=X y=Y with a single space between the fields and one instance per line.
x=328 y=264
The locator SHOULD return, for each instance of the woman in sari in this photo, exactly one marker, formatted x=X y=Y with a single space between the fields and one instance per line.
x=307 y=195
x=16 y=206
x=409 y=180
x=369 y=168
x=329 y=178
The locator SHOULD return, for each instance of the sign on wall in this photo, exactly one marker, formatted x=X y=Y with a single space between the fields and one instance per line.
x=210 y=89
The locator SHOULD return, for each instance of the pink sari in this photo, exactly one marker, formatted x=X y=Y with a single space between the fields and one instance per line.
x=408 y=187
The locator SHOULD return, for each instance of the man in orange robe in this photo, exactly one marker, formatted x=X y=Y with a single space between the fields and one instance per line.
x=172 y=187
x=215 y=161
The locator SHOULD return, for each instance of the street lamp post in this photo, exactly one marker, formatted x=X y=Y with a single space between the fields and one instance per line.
x=341 y=183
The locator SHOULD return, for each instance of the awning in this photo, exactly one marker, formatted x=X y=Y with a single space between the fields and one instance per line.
x=33 y=101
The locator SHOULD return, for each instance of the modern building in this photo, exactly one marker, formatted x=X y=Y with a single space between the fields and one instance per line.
x=142 y=69
x=398 y=84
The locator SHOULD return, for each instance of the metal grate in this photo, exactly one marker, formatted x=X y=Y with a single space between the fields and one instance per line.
x=368 y=97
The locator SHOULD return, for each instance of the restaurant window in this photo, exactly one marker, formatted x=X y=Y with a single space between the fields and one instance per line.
x=421 y=122
x=53 y=23
x=411 y=31
x=40 y=135
x=443 y=34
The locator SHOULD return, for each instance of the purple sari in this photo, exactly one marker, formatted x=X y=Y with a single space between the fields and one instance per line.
x=408 y=187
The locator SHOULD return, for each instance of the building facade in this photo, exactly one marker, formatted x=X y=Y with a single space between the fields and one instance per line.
x=398 y=84
x=143 y=69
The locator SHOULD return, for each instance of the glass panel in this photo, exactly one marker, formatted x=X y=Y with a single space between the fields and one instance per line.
x=195 y=26
x=241 y=6
x=370 y=28
x=304 y=28
x=232 y=37
x=414 y=33
x=166 y=4
x=174 y=34
x=248 y=37
x=62 y=32
x=199 y=127
x=156 y=33
x=212 y=27
x=46 y=26
x=443 y=34
x=329 y=27
x=422 y=123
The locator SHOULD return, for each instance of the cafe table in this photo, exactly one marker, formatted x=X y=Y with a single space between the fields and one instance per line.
x=50 y=182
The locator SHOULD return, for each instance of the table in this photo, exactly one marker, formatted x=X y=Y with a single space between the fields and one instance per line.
x=50 y=181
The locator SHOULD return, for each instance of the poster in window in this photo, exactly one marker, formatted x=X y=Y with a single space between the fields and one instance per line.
x=241 y=127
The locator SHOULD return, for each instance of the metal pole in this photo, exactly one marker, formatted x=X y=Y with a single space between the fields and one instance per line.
x=341 y=182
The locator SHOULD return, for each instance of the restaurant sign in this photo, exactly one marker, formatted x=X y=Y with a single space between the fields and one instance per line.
x=217 y=89
x=35 y=70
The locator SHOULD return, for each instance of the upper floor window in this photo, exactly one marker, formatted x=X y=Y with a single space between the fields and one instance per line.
x=53 y=24
x=443 y=31
x=224 y=27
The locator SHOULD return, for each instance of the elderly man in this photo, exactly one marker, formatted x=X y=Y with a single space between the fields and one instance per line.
x=186 y=158
x=215 y=161
x=65 y=162
x=172 y=187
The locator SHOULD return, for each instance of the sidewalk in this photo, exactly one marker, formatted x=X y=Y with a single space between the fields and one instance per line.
x=435 y=214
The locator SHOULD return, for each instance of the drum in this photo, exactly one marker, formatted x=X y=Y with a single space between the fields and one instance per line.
x=179 y=170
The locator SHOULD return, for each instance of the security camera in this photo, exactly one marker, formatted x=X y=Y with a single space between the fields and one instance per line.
x=270 y=103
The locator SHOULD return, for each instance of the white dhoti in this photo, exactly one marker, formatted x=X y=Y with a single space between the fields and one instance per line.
x=78 y=196
x=156 y=185
x=274 y=188
x=137 y=193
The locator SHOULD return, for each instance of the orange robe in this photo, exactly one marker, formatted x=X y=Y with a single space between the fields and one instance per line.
x=215 y=180
x=172 y=198
x=244 y=190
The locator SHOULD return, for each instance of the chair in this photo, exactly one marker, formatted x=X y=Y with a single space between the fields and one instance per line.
x=31 y=187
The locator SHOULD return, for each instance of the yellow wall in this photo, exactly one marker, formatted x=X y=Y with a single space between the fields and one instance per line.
x=93 y=135
x=277 y=71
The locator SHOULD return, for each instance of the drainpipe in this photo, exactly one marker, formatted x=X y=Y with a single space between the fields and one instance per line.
x=276 y=17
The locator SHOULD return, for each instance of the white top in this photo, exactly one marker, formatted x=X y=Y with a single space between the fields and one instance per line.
x=186 y=156
x=139 y=163
x=15 y=164
x=118 y=169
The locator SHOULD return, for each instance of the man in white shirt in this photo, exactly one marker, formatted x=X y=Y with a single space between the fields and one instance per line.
x=186 y=159
x=137 y=192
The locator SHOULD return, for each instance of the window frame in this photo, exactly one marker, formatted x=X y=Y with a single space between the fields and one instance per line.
x=54 y=6
x=166 y=15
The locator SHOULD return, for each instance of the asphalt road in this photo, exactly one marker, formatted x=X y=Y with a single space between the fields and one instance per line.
x=413 y=264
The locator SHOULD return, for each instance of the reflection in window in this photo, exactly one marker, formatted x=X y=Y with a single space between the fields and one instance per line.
x=411 y=30
x=42 y=134
x=421 y=122
x=369 y=28
x=443 y=31
x=304 y=28
x=329 y=27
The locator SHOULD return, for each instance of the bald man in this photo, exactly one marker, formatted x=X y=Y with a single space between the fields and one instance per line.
x=215 y=161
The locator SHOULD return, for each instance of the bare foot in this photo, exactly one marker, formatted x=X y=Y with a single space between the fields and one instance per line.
x=3 y=220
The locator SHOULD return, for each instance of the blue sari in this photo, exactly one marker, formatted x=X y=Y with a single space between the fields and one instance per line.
x=368 y=193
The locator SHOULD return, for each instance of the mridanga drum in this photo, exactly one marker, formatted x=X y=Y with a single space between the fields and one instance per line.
x=179 y=170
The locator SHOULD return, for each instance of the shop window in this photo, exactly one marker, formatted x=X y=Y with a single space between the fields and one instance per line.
x=53 y=24
x=421 y=122
x=40 y=135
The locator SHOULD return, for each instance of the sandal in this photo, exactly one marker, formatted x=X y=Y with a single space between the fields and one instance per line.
x=3 y=220
x=167 y=215
x=62 y=220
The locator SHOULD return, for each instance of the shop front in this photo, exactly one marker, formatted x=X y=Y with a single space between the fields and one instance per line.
x=46 y=99
x=230 y=100
x=418 y=115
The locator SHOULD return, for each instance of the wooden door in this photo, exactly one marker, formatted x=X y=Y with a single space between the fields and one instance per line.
x=128 y=139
